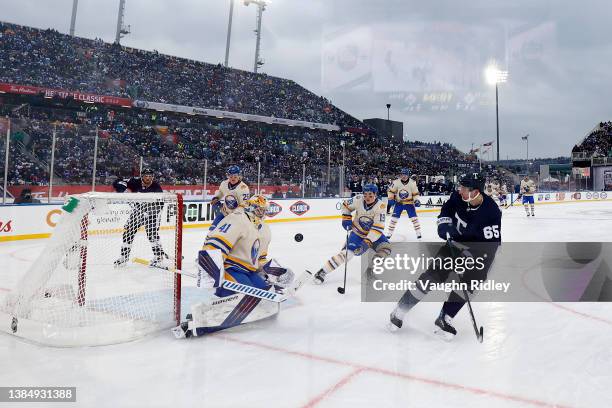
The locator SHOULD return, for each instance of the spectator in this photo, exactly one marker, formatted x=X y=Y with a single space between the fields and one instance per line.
x=25 y=197
x=355 y=185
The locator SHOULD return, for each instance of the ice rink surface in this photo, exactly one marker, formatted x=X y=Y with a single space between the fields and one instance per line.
x=331 y=350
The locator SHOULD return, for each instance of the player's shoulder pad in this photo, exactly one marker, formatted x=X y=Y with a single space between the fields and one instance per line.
x=134 y=184
x=382 y=206
x=265 y=227
x=120 y=185
x=235 y=217
x=455 y=196
x=491 y=205
x=243 y=185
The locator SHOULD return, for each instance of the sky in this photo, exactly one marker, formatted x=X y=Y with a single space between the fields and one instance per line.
x=427 y=59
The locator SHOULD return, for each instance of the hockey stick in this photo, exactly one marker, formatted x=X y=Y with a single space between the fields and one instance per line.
x=513 y=202
x=479 y=332
x=164 y=268
x=342 y=289
x=299 y=282
x=238 y=287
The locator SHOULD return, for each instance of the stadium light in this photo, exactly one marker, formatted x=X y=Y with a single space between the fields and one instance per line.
x=261 y=6
x=495 y=76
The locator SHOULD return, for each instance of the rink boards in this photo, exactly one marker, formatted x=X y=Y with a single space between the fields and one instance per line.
x=37 y=221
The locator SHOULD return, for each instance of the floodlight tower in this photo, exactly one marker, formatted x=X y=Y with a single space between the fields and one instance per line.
x=75 y=4
x=122 y=30
x=261 y=7
x=495 y=76
x=229 y=33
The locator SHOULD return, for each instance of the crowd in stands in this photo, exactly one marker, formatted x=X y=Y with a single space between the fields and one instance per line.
x=598 y=143
x=177 y=145
x=47 y=58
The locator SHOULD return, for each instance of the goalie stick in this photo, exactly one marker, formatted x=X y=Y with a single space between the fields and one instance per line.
x=240 y=287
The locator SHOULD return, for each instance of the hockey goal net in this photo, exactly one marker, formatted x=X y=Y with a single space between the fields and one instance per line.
x=93 y=283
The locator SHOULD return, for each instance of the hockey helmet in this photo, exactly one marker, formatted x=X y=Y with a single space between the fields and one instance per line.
x=473 y=181
x=233 y=170
x=370 y=188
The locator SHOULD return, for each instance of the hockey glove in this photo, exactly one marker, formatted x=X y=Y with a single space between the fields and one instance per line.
x=446 y=228
x=390 y=205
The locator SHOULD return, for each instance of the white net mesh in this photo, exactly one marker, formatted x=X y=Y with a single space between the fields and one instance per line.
x=92 y=284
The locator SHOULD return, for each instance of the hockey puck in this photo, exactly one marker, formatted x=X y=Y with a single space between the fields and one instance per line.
x=298 y=237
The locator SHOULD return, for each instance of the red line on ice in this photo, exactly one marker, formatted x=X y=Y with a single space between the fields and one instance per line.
x=343 y=381
x=362 y=368
x=557 y=305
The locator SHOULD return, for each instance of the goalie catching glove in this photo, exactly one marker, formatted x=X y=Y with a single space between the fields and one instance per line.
x=277 y=275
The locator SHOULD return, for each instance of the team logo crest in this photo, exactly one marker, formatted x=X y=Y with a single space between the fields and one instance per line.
x=547 y=197
x=577 y=196
x=588 y=196
x=231 y=202
x=255 y=252
x=596 y=195
x=365 y=223
x=273 y=209
x=299 y=208
x=403 y=194
x=604 y=195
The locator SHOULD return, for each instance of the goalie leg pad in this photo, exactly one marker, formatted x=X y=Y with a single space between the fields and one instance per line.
x=230 y=311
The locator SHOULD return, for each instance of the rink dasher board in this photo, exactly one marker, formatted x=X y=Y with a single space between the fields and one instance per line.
x=25 y=222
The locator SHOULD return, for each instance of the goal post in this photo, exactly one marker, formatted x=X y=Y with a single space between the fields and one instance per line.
x=84 y=289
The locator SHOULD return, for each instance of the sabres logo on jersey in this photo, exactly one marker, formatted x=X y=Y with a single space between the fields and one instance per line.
x=231 y=202
x=255 y=252
x=403 y=194
x=365 y=223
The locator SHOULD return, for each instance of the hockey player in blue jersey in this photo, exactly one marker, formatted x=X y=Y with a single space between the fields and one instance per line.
x=470 y=221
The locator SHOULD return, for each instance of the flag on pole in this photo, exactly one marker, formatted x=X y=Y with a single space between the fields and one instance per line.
x=525 y=137
x=488 y=144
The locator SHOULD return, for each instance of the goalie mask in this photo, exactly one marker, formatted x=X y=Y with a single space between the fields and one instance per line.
x=257 y=207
